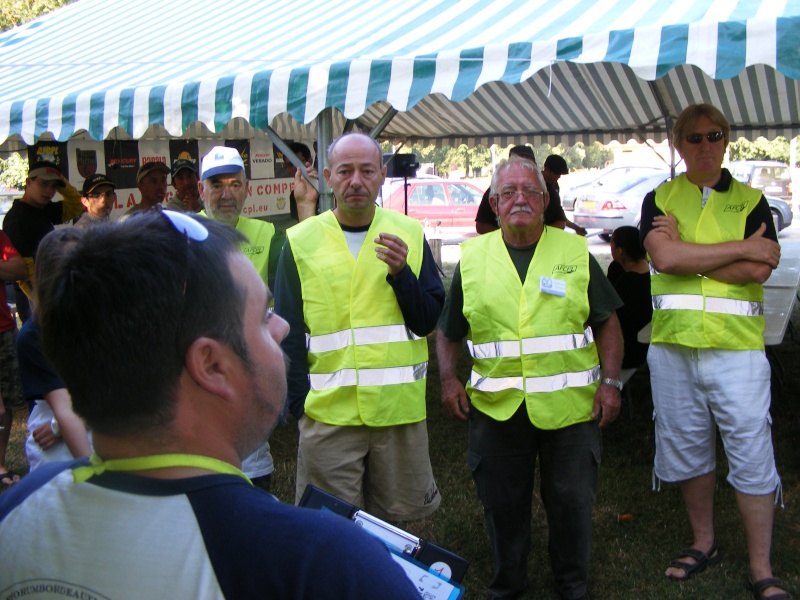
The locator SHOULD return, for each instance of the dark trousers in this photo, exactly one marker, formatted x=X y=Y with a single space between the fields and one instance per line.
x=502 y=458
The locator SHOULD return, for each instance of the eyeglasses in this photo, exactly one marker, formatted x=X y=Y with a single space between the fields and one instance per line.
x=100 y=195
x=711 y=136
x=192 y=229
x=527 y=193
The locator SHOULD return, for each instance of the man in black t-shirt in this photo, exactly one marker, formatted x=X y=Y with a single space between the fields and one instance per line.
x=33 y=216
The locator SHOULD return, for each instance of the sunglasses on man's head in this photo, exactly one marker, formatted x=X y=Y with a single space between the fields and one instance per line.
x=186 y=225
x=711 y=136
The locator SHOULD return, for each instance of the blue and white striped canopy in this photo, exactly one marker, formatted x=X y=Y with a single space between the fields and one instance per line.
x=474 y=71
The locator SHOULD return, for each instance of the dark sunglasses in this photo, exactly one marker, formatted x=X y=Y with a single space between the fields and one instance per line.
x=711 y=136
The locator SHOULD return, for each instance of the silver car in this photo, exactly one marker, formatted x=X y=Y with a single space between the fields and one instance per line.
x=781 y=213
x=622 y=205
x=770 y=176
x=602 y=180
x=617 y=204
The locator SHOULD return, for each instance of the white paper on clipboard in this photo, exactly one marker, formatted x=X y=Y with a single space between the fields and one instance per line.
x=429 y=585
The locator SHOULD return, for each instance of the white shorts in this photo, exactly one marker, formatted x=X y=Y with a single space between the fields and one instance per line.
x=696 y=390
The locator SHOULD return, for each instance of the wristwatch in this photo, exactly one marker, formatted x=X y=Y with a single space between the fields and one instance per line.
x=612 y=382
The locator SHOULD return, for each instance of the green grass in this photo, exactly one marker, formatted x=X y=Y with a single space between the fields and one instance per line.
x=628 y=557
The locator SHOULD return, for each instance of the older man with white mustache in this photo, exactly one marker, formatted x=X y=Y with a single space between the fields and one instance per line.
x=539 y=317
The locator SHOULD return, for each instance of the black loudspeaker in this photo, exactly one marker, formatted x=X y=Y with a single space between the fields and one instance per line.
x=400 y=165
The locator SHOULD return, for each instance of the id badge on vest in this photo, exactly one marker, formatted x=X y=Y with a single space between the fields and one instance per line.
x=552 y=286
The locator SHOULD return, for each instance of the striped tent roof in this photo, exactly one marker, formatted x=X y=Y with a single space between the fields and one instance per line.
x=473 y=71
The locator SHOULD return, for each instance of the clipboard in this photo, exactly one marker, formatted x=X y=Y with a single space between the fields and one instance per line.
x=429 y=584
x=432 y=559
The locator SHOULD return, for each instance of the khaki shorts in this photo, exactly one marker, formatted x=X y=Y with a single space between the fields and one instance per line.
x=384 y=470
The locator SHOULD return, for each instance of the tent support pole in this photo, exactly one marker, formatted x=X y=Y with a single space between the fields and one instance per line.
x=324 y=139
x=287 y=153
x=667 y=113
x=381 y=125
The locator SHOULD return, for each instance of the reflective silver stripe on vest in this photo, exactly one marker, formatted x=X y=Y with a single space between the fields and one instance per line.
x=727 y=306
x=550 y=383
x=380 y=334
x=351 y=377
x=535 y=345
x=553 y=383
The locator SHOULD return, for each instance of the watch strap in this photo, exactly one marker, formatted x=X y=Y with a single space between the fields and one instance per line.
x=612 y=382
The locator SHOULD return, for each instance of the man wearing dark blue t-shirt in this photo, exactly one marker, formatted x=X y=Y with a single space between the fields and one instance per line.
x=161 y=330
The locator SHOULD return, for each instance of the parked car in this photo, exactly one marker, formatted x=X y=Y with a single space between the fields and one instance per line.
x=603 y=179
x=616 y=205
x=437 y=203
x=781 y=213
x=772 y=177
x=622 y=205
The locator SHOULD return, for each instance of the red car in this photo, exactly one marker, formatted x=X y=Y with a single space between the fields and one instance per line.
x=437 y=203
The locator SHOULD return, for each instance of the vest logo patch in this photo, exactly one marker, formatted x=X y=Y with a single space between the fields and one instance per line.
x=735 y=208
x=565 y=269
x=253 y=250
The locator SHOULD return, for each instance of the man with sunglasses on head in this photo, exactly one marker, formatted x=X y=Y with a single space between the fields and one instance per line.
x=33 y=216
x=539 y=316
x=712 y=244
x=97 y=195
x=162 y=509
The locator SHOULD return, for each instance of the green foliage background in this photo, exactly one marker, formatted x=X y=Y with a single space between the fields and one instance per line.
x=16 y=12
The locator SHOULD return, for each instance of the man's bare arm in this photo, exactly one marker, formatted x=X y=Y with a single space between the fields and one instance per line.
x=14 y=268
x=454 y=396
x=672 y=255
x=608 y=339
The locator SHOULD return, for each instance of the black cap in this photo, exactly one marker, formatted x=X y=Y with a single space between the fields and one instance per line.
x=94 y=181
x=149 y=167
x=524 y=152
x=183 y=163
x=556 y=164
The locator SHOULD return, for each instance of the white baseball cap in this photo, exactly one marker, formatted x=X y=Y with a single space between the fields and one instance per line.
x=220 y=161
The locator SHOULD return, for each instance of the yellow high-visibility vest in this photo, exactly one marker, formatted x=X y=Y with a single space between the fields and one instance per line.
x=693 y=310
x=365 y=366
x=526 y=344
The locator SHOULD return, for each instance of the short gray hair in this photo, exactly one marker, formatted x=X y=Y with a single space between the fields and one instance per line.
x=516 y=160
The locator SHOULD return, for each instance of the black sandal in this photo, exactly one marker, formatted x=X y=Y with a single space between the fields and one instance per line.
x=703 y=560
x=757 y=588
x=12 y=477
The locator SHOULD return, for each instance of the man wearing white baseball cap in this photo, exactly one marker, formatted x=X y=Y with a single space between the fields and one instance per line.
x=223 y=190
